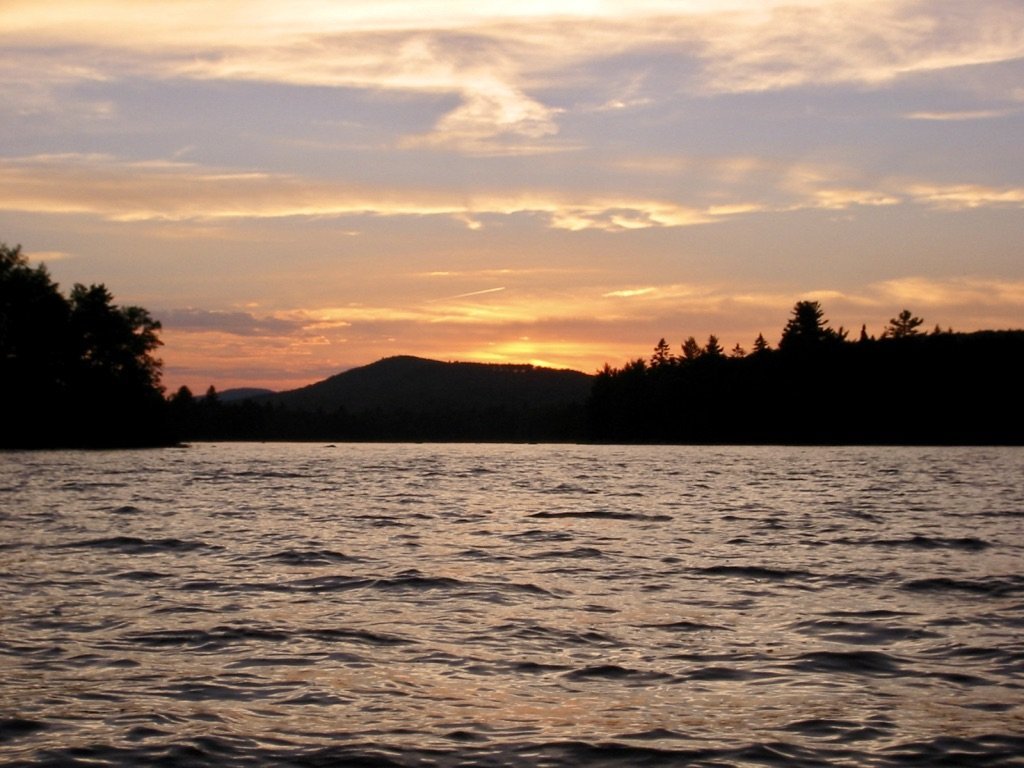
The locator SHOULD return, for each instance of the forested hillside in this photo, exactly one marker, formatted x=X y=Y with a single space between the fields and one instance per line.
x=404 y=398
x=75 y=371
x=938 y=387
x=80 y=371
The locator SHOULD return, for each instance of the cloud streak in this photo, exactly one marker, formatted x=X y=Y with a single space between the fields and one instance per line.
x=499 y=61
x=581 y=329
x=229 y=322
x=574 y=179
x=167 y=191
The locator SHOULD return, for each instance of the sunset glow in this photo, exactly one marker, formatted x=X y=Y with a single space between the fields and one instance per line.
x=297 y=189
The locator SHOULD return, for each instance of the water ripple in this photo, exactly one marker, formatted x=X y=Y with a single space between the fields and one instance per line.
x=403 y=605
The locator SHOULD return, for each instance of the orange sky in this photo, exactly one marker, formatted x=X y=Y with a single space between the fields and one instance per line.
x=297 y=189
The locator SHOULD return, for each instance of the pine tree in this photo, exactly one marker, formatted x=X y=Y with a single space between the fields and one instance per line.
x=713 y=348
x=903 y=325
x=691 y=349
x=808 y=328
x=662 y=354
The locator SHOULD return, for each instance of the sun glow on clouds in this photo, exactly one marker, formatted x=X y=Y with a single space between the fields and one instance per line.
x=179 y=192
x=926 y=292
x=628 y=292
x=288 y=348
x=169 y=191
x=491 y=56
x=980 y=114
x=560 y=181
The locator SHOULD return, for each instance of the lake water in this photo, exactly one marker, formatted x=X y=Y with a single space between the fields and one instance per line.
x=479 y=605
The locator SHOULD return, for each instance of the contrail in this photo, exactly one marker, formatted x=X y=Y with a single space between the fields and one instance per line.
x=471 y=293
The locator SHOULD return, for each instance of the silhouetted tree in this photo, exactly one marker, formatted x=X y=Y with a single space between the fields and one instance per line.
x=34 y=338
x=760 y=345
x=824 y=391
x=808 y=328
x=80 y=371
x=115 y=344
x=738 y=352
x=903 y=325
x=662 y=354
x=183 y=396
x=713 y=348
x=691 y=349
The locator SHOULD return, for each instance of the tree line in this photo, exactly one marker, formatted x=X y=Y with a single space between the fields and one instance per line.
x=75 y=370
x=81 y=371
x=818 y=386
x=212 y=418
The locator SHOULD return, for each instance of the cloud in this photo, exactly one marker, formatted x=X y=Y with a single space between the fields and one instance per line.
x=227 y=322
x=165 y=191
x=698 y=134
x=500 y=61
x=628 y=293
x=708 y=306
x=494 y=118
x=869 y=42
x=581 y=328
x=961 y=196
x=48 y=257
x=502 y=272
x=175 y=192
x=954 y=292
x=473 y=293
x=961 y=116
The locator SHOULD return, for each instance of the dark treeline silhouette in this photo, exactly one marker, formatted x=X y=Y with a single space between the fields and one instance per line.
x=75 y=371
x=79 y=371
x=401 y=399
x=819 y=387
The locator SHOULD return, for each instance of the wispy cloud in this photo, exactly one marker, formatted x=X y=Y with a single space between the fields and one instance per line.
x=229 y=322
x=48 y=257
x=869 y=42
x=953 y=293
x=497 y=60
x=179 y=192
x=960 y=196
x=628 y=293
x=622 y=170
x=581 y=329
x=960 y=116
x=472 y=293
x=166 y=191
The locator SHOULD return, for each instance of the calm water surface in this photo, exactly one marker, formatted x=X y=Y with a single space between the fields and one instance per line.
x=311 y=605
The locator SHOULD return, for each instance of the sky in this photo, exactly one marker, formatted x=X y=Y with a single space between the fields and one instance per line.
x=294 y=189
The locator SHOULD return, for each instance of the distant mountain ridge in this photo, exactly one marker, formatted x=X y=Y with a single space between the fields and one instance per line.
x=416 y=384
x=242 y=393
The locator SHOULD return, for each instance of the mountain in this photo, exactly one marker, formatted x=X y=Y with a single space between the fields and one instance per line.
x=417 y=385
x=403 y=399
x=242 y=393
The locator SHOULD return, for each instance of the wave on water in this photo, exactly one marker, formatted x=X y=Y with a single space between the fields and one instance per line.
x=310 y=557
x=872 y=663
x=602 y=514
x=918 y=541
x=992 y=586
x=754 y=572
x=478 y=606
x=688 y=626
x=131 y=545
x=835 y=744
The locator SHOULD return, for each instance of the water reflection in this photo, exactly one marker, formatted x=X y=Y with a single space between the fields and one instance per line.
x=506 y=603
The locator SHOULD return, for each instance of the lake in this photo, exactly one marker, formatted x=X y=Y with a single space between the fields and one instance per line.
x=487 y=605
